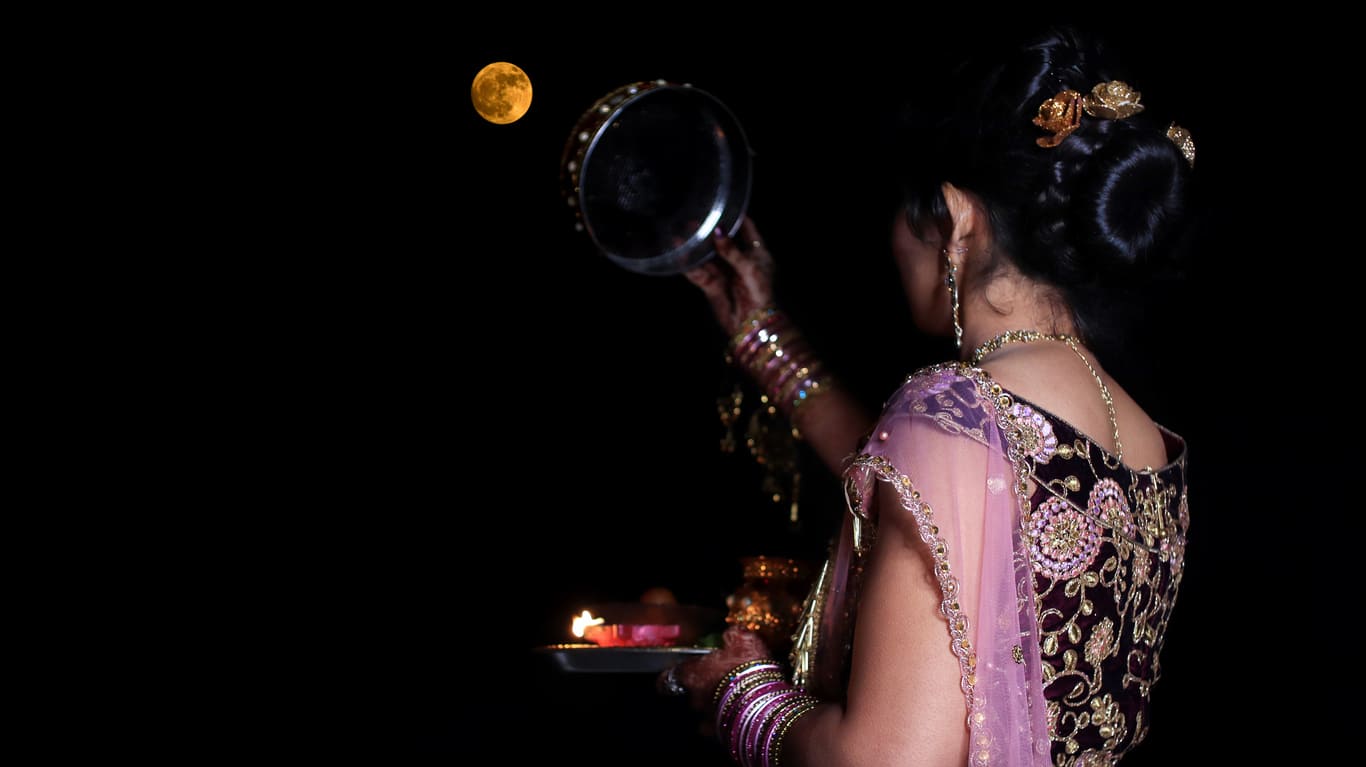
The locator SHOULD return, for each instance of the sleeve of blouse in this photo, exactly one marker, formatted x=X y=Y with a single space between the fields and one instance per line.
x=939 y=444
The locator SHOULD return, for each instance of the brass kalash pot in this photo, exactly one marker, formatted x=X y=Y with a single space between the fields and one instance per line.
x=769 y=600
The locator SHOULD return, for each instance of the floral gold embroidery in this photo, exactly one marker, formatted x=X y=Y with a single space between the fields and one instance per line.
x=1094 y=759
x=1106 y=717
x=1108 y=504
x=1153 y=514
x=1100 y=628
x=1099 y=646
x=1036 y=433
x=1140 y=567
x=1063 y=541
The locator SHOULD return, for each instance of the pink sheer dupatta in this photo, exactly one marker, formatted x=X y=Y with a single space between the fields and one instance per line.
x=957 y=469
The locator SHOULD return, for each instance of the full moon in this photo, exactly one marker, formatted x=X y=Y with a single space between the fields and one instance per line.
x=501 y=93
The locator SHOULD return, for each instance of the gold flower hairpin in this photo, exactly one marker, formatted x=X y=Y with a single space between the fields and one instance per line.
x=1060 y=116
x=1112 y=100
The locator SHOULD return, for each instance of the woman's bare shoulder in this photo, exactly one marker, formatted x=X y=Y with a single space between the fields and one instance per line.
x=1052 y=377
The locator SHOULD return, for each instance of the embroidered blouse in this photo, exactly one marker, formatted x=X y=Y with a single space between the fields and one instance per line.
x=1058 y=567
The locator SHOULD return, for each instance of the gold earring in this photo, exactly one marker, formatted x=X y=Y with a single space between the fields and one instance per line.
x=952 y=281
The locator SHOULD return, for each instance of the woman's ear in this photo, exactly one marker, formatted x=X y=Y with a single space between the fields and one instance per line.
x=966 y=216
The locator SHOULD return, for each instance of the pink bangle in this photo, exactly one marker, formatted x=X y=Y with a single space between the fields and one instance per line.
x=736 y=678
x=743 y=669
x=788 y=381
x=748 y=348
x=761 y=328
x=752 y=736
x=773 y=352
x=771 y=753
x=748 y=716
x=756 y=320
x=738 y=703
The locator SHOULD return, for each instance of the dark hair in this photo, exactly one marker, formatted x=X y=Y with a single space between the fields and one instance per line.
x=1093 y=216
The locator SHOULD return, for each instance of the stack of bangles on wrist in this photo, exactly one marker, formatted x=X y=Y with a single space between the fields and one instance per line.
x=769 y=346
x=755 y=708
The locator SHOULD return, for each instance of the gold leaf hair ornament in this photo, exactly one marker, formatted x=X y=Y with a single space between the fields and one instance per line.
x=1060 y=116
x=1182 y=138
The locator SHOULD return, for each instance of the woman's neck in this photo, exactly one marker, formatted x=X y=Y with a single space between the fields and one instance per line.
x=1012 y=304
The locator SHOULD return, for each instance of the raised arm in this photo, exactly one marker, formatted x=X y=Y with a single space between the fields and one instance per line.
x=739 y=287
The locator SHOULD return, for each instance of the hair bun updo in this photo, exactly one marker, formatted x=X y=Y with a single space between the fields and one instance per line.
x=1109 y=203
x=1129 y=200
x=1095 y=215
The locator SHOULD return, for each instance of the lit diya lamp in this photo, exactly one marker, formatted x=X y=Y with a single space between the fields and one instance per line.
x=604 y=634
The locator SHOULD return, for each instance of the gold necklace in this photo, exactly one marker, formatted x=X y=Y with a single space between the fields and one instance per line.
x=1025 y=336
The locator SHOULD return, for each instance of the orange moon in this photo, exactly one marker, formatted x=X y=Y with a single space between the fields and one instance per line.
x=501 y=93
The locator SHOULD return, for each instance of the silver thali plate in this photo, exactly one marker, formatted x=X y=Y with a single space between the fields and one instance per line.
x=589 y=658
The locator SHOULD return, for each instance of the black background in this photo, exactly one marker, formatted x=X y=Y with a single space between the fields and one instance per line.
x=529 y=429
